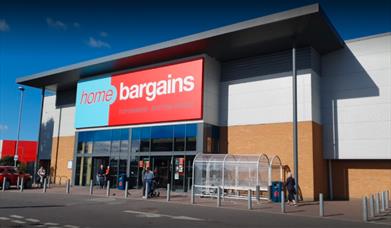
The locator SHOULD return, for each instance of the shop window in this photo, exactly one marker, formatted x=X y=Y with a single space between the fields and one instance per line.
x=179 y=137
x=135 y=144
x=145 y=139
x=161 y=138
x=191 y=137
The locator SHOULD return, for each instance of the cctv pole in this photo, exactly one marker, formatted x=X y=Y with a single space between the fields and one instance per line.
x=21 y=88
x=295 y=141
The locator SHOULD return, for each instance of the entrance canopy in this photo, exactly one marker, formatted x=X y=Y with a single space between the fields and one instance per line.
x=308 y=26
x=234 y=172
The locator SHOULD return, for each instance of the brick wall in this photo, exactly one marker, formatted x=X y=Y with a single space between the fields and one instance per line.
x=62 y=152
x=276 y=139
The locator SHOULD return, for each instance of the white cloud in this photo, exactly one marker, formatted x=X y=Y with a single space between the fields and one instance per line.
x=4 y=27
x=95 y=43
x=3 y=127
x=103 y=34
x=76 y=25
x=56 y=24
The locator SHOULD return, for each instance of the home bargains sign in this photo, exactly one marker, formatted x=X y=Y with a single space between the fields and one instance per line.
x=161 y=94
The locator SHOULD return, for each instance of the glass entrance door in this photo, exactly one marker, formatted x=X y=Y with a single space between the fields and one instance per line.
x=162 y=171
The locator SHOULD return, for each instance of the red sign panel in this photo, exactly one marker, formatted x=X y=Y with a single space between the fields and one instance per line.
x=167 y=93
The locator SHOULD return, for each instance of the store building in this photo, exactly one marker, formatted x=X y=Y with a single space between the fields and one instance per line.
x=229 y=90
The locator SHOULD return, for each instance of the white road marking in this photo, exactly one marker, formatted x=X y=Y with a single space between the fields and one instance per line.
x=32 y=220
x=155 y=215
x=18 y=221
x=51 y=224
x=4 y=218
x=71 y=226
x=16 y=216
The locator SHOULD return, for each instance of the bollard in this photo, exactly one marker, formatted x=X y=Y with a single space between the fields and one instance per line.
x=44 y=185
x=192 y=200
x=383 y=201
x=371 y=206
x=257 y=190
x=108 y=189
x=48 y=182
x=146 y=190
x=387 y=199
x=68 y=187
x=168 y=192
x=91 y=187
x=126 y=189
x=282 y=202
x=321 y=205
x=17 y=182
x=218 y=196
x=364 y=209
x=377 y=204
x=21 y=184
x=249 y=203
x=4 y=181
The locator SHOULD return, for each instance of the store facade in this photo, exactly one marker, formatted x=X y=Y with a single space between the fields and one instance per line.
x=229 y=90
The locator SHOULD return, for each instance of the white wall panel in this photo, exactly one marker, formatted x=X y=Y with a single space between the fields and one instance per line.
x=356 y=100
x=264 y=99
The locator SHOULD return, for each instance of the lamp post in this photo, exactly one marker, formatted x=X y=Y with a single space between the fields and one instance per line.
x=21 y=88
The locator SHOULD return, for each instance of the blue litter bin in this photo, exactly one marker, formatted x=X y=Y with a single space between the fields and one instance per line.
x=121 y=182
x=275 y=191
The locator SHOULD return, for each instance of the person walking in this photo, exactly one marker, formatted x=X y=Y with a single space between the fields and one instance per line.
x=101 y=176
x=148 y=180
x=290 y=186
x=107 y=174
x=42 y=175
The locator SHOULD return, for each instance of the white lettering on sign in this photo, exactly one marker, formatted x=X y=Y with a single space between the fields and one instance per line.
x=153 y=89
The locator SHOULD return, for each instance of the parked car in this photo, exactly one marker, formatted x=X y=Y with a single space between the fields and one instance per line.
x=11 y=173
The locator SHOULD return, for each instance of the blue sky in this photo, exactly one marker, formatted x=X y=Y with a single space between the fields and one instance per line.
x=41 y=35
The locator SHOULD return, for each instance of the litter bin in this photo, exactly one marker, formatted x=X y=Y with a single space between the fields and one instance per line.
x=121 y=182
x=275 y=191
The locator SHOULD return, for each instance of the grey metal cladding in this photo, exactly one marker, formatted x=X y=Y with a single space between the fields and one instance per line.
x=279 y=62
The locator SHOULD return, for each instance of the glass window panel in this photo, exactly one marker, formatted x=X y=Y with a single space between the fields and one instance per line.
x=191 y=137
x=136 y=133
x=102 y=135
x=145 y=138
x=179 y=137
x=161 y=138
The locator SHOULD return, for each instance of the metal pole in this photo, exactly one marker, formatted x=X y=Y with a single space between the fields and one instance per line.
x=377 y=204
x=331 y=192
x=91 y=187
x=21 y=184
x=218 y=196
x=383 y=201
x=4 y=181
x=168 y=192
x=295 y=139
x=17 y=182
x=282 y=202
x=192 y=200
x=39 y=137
x=257 y=195
x=68 y=187
x=371 y=206
x=364 y=209
x=321 y=205
x=108 y=189
x=44 y=185
x=249 y=200
x=387 y=199
x=126 y=189
x=21 y=88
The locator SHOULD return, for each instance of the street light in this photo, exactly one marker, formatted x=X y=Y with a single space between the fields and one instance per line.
x=21 y=88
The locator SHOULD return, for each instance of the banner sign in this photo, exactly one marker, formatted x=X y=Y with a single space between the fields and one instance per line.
x=167 y=93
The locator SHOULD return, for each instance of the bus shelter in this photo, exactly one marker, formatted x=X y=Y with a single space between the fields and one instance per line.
x=234 y=174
